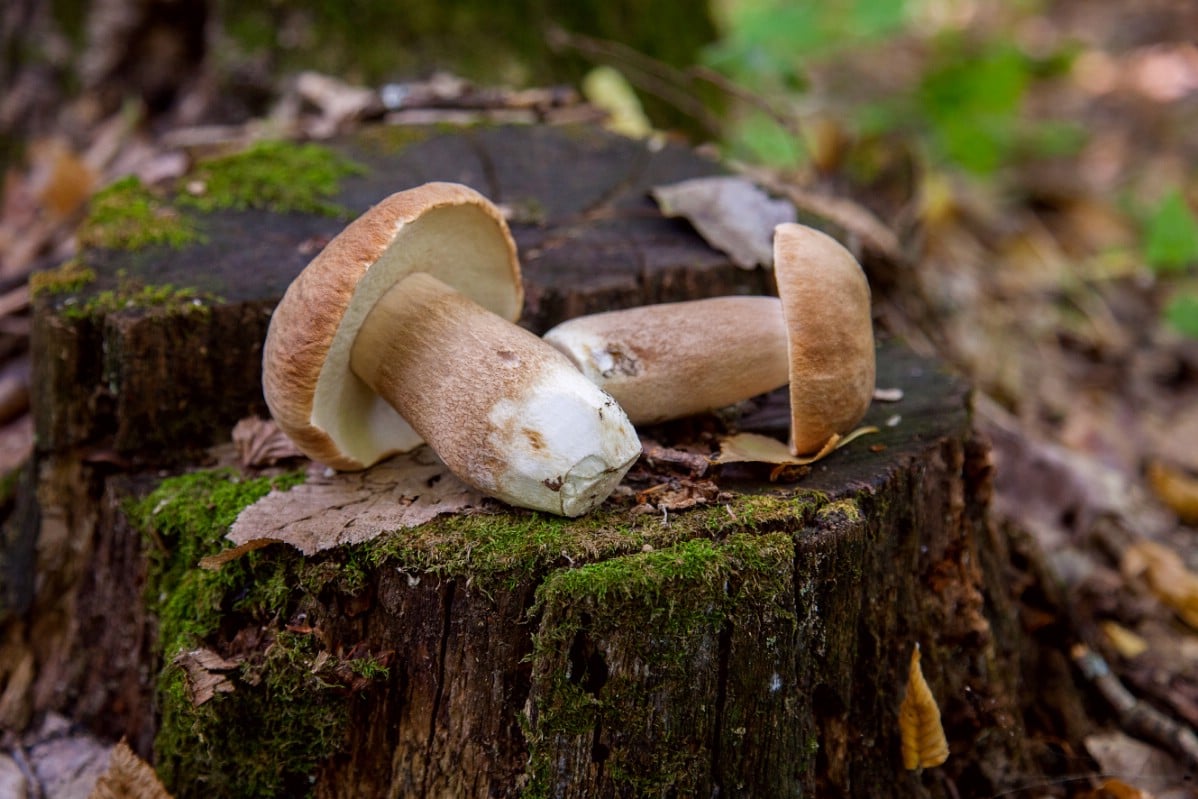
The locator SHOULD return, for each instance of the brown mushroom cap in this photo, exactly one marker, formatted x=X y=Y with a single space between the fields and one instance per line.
x=826 y=300
x=445 y=229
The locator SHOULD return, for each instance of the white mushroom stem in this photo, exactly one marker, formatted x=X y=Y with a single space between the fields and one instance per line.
x=506 y=412
x=677 y=359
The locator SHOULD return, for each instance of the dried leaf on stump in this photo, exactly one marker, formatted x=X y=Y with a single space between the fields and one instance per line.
x=260 y=442
x=922 y=736
x=731 y=214
x=204 y=678
x=756 y=448
x=331 y=509
x=128 y=777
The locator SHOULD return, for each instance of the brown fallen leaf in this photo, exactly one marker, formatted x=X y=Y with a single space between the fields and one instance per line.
x=204 y=678
x=128 y=777
x=334 y=508
x=920 y=731
x=731 y=214
x=1176 y=489
x=260 y=442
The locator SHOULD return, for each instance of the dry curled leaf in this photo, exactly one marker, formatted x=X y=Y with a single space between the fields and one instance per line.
x=205 y=679
x=335 y=508
x=731 y=214
x=128 y=777
x=922 y=736
x=1176 y=489
x=1166 y=575
x=756 y=448
x=260 y=442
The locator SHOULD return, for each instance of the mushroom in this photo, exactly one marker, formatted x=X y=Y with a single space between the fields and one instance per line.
x=401 y=332
x=672 y=360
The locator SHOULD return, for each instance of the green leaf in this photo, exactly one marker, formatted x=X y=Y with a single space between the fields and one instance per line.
x=1171 y=237
x=1182 y=313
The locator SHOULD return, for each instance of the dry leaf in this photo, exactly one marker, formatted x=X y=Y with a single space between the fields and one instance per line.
x=333 y=508
x=855 y=218
x=923 y=741
x=1166 y=575
x=204 y=680
x=604 y=87
x=756 y=448
x=1125 y=642
x=1119 y=753
x=1176 y=489
x=128 y=777
x=260 y=442
x=731 y=214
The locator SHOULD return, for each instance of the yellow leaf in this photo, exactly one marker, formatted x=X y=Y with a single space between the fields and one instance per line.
x=756 y=448
x=1166 y=576
x=1126 y=643
x=920 y=731
x=1176 y=489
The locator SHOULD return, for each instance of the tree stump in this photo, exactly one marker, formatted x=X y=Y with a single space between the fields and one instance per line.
x=755 y=644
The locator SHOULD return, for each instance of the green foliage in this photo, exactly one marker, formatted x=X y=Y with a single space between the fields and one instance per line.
x=1182 y=313
x=275 y=176
x=1171 y=235
x=766 y=41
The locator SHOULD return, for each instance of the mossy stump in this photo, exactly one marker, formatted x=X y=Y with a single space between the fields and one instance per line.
x=754 y=645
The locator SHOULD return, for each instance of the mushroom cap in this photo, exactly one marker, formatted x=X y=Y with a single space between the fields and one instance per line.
x=445 y=229
x=826 y=301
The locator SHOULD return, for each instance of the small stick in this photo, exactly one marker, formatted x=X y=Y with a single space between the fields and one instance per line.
x=1138 y=718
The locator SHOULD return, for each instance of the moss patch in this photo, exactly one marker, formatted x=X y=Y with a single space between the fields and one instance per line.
x=623 y=638
x=66 y=278
x=127 y=216
x=131 y=293
x=501 y=550
x=274 y=176
x=287 y=710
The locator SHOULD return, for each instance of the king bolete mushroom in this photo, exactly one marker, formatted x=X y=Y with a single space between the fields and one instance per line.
x=401 y=332
x=672 y=360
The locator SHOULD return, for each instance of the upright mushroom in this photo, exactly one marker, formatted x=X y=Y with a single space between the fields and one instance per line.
x=401 y=331
x=674 y=359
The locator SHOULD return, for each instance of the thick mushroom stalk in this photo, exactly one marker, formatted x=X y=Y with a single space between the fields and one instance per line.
x=672 y=360
x=676 y=359
x=505 y=412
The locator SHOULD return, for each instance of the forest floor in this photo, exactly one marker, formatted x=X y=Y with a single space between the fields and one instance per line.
x=1048 y=251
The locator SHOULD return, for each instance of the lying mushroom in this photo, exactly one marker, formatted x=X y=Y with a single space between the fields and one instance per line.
x=675 y=359
x=398 y=332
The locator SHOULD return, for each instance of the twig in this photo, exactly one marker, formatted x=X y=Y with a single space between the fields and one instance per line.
x=1138 y=718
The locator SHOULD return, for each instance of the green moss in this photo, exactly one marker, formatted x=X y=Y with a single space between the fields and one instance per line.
x=272 y=175
x=67 y=278
x=127 y=216
x=655 y=609
x=847 y=509
x=287 y=711
x=131 y=293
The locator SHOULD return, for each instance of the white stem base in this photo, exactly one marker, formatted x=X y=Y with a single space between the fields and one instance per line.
x=506 y=412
